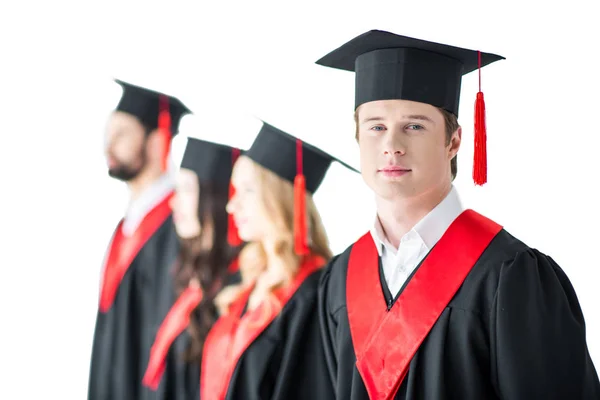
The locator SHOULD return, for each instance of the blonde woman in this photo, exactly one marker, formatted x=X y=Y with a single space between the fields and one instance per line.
x=266 y=344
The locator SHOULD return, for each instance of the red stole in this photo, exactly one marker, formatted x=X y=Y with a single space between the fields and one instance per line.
x=233 y=333
x=385 y=342
x=175 y=322
x=123 y=250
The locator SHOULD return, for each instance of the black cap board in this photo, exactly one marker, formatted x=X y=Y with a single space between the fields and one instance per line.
x=275 y=150
x=212 y=162
x=145 y=105
x=390 y=66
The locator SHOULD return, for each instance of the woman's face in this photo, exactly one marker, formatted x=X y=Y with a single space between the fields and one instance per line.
x=247 y=205
x=185 y=204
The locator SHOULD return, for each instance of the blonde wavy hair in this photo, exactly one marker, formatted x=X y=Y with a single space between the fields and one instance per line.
x=277 y=197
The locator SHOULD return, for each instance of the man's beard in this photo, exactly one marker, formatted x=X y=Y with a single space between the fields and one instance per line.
x=125 y=172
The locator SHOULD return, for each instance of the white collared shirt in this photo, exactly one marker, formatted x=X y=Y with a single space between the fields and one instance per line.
x=148 y=199
x=398 y=264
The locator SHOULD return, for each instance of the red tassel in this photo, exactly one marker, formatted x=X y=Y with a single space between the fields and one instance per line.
x=300 y=228
x=164 y=126
x=300 y=224
x=480 y=148
x=233 y=237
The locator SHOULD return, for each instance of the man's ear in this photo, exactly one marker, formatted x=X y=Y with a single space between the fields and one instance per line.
x=454 y=144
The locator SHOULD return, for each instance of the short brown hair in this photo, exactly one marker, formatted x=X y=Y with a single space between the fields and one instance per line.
x=451 y=124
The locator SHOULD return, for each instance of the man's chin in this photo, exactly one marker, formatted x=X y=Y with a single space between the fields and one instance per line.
x=393 y=191
x=122 y=174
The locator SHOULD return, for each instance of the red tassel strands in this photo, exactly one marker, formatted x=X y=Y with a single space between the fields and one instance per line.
x=233 y=237
x=300 y=223
x=164 y=126
x=480 y=149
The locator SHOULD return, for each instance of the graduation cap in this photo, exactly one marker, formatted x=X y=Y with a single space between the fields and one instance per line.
x=296 y=161
x=213 y=162
x=154 y=110
x=390 y=66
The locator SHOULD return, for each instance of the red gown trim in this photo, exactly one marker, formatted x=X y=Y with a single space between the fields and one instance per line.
x=233 y=333
x=386 y=341
x=176 y=321
x=123 y=251
x=174 y=324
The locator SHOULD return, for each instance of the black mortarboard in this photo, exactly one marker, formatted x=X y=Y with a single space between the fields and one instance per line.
x=295 y=161
x=390 y=66
x=277 y=151
x=212 y=162
x=145 y=104
x=155 y=110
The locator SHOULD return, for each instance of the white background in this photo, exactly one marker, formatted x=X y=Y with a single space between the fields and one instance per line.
x=230 y=61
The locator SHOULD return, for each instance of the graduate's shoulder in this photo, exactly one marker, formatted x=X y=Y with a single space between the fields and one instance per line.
x=167 y=229
x=504 y=253
x=300 y=307
x=332 y=286
x=503 y=247
x=512 y=258
x=504 y=250
x=164 y=237
x=309 y=287
x=337 y=267
x=309 y=290
x=485 y=274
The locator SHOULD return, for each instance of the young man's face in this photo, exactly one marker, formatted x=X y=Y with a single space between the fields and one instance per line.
x=125 y=146
x=404 y=151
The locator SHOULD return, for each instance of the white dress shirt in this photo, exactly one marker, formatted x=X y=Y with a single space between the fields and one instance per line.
x=148 y=199
x=398 y=264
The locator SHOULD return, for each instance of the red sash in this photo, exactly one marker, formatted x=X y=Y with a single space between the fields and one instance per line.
x=232 y=334
x=385 y=342
x=123 y=250
x=175 y=322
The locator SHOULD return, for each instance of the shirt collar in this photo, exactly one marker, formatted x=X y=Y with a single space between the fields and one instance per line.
x=148 y=199
x=428 y=230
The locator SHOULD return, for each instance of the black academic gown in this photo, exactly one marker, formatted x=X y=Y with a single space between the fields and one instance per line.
x=124 y=335
x=514 y=330
x=181 y=379
x=285 y=362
